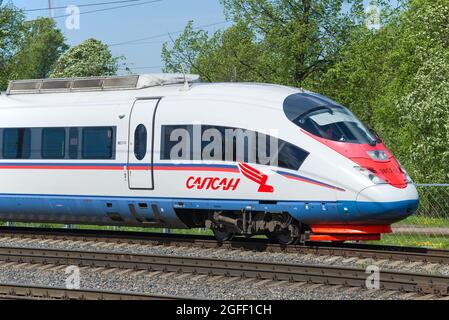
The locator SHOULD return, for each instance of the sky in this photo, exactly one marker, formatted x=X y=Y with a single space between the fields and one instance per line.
x=133 y=22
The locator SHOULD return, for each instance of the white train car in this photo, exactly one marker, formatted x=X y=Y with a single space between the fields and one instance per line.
x=169 y=151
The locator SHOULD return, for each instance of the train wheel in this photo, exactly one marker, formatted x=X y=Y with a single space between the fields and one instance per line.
x=223 y=234
x=283 y=237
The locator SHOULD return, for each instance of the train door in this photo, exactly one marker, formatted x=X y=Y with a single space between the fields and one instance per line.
x=140 y=147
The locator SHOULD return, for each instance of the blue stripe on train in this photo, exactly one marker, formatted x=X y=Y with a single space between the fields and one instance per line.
x=94 y=209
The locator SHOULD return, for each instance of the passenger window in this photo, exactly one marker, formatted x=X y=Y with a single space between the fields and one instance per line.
x=140 y=142
x=53 y=143
x=98 y=143
x=16 y=143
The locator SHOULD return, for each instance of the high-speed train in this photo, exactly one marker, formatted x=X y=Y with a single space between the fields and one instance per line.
x=167 y=150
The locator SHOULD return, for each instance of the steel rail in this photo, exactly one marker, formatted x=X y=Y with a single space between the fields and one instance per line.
x=357 y=250
x=32 y=292
x=329 y=275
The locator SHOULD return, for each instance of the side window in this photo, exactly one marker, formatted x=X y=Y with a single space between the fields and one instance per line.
x=212 y=143
x=98 y=143
x=140 y=142
x=229 y=144
x=53 y=143
x=290 y=156
x=16 y=143
x=176 y=142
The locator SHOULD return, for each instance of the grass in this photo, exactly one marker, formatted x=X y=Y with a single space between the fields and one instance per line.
x=423 y=221
x=416 y=240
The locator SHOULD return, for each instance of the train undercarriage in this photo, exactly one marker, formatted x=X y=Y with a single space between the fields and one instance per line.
x=278 y=227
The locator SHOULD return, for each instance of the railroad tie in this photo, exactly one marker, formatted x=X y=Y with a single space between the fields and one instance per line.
x=100 y=244
x=168 y=275
x=349 y=260
x=332 y=259
x=370 y=292
x=58 y=268
x=88 y=243
x=262 y=283
x=77 y=242
x=430 y=296
x=55 y=241
x=199 y=277
x=247 y=280
x=125 y=271
x=153 y=274
x=45 y=241
x=23 y=240
x=362 y=261
x=183 y=276
x=21 y=265
x=315 y=286
x=415 y=264
x=230 y=280
x=46 y=267
x=351 y=290
x=214 y=279
x=430 y=267
x=380 y=262
x=138 y=273
x=108 y=271
x=387 y=294
x=296 y=285
x=33 y=266
x=282 y=283
x=85 y=268
x=8 y=264
x=409 y=295
x=396 y=263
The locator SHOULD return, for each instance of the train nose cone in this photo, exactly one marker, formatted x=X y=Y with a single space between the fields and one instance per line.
x=384 y=203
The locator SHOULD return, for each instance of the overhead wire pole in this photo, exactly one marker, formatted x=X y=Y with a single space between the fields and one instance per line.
x=50 y=9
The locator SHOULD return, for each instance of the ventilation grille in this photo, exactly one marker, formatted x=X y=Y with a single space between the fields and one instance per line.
x=96 y=83
x=76 y=84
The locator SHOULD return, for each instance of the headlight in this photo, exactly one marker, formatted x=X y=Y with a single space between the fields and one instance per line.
x=378 y=155
x=374 y=179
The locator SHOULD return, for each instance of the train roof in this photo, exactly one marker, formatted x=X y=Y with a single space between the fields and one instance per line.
x=42 y=91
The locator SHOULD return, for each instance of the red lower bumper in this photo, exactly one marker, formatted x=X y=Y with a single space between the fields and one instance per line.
x=347 y=232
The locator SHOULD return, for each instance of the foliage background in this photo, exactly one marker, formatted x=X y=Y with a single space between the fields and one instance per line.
x=394 y=78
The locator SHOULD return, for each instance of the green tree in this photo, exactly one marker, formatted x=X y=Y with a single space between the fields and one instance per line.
x=424 y=115
x=378 y=76
x=279 y=41
x=90 y=58
x=11 y=21
x=28 y=49
x=41 y=46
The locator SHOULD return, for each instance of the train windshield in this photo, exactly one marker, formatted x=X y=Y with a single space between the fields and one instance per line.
x=326 y=119
x=337 y=124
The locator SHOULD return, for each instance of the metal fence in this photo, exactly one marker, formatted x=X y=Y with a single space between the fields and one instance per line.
x=429 y=226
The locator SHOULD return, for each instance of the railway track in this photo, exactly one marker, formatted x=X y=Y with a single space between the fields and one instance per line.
x=357 y=250
x=29 y=292
x=319 y=274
